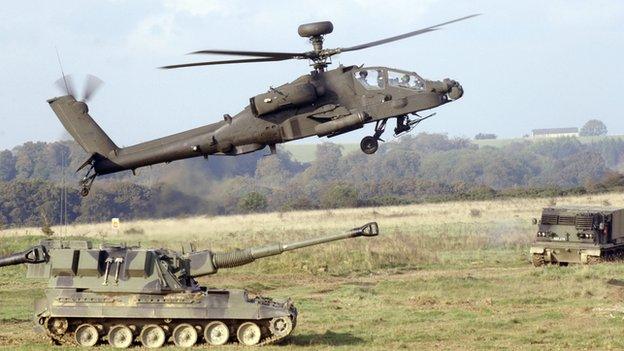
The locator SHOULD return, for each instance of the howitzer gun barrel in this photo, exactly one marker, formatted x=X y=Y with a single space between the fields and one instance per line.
x=36 y=254
x=242 y=257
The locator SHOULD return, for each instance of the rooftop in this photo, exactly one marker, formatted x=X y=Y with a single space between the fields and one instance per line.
x=555 y=131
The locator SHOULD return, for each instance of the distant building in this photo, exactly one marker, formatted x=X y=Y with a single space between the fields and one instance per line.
x=555 y=132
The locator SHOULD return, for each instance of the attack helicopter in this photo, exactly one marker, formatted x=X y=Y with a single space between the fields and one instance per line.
x=324 y=103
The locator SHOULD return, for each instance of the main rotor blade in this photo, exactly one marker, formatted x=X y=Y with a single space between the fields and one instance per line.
x=92 y=85
x=250 y=53
x=406 y=35
x=208 y=63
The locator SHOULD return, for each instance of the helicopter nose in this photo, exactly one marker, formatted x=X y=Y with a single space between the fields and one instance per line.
x=448 y=89
x=454 y=90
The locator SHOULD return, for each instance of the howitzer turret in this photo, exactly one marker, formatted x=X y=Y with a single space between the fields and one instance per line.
x=125 y=294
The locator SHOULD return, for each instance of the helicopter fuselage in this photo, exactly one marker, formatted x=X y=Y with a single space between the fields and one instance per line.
x=322 y=103
x=325 y=103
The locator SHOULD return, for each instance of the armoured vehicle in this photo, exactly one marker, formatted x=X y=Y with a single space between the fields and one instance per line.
x=323 y=103
x=124 y=294
x=578 y=234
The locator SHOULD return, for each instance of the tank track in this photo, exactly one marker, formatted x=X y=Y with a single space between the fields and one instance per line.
x=609 y=256
x=67 y=338
x=538 y=260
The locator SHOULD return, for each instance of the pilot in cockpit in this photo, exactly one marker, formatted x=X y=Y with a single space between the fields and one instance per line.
x=405 y=81
x=362 y=78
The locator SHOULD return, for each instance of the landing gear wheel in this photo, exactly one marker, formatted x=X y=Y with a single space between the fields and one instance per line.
x=216 y=333
x=369 y=145
x=120 y=336
x=281 y=326
x=152 y=336
x=248 y=334
x=57 y=326
x=184 y=335
x=86 y=335
x=538 y=260
x=86 y=182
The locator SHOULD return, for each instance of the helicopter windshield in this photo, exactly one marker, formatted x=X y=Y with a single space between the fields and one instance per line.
x=405 y=80
x=371 y=79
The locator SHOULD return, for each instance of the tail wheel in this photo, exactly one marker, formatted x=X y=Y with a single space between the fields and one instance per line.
x=538 y=260
x=216 y=333
x=87 y=335
x=120 y=336
x=184 y=335
x=249 y=334
x=281 y=326
x=152 y=336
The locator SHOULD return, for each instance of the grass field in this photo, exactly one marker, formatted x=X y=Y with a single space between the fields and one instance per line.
x=451 y=276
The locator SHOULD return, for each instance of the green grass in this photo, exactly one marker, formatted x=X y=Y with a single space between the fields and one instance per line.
x=435 y=278
x=481 y=307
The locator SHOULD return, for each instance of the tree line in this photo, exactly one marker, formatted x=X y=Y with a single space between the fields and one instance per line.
x=425 y=167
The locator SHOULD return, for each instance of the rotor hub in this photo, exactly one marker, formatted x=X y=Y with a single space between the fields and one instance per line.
x=315 y=29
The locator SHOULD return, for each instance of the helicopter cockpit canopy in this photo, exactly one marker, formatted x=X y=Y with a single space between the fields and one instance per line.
x=375 y=78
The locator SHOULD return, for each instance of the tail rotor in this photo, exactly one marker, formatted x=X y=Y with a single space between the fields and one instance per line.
x=92 y=84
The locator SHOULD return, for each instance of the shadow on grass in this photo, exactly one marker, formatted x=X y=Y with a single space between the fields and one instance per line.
x=328 y=338
x=615 y=282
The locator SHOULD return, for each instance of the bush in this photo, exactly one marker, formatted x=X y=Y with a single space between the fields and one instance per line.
x=339 y=195
x=593 y=127
x=253 y=202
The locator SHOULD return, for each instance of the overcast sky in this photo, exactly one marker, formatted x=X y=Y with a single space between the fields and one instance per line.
x=523 y=64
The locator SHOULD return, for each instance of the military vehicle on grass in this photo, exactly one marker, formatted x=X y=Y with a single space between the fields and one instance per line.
x=578 y=234
x=125 y=294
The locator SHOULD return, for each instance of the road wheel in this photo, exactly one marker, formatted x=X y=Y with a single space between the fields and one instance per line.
x=538 y=260
x=369 y=145
x=216 y=333
x=57 y=326
x=87 y=335
x=152 y=336
x=248 y=334
x=120 y=336
x=184 y=335
x=281 y=326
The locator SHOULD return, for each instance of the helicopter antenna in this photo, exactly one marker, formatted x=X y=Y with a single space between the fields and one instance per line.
x=58 y=57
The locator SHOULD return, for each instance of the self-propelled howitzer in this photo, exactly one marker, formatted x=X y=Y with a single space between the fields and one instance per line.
x=124 y=294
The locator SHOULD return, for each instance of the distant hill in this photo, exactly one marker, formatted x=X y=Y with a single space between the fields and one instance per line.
x=505 y=142
x=416 y=168
x=306 y=152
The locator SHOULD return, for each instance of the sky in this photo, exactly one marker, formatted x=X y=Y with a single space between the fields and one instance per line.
x=523 y=64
